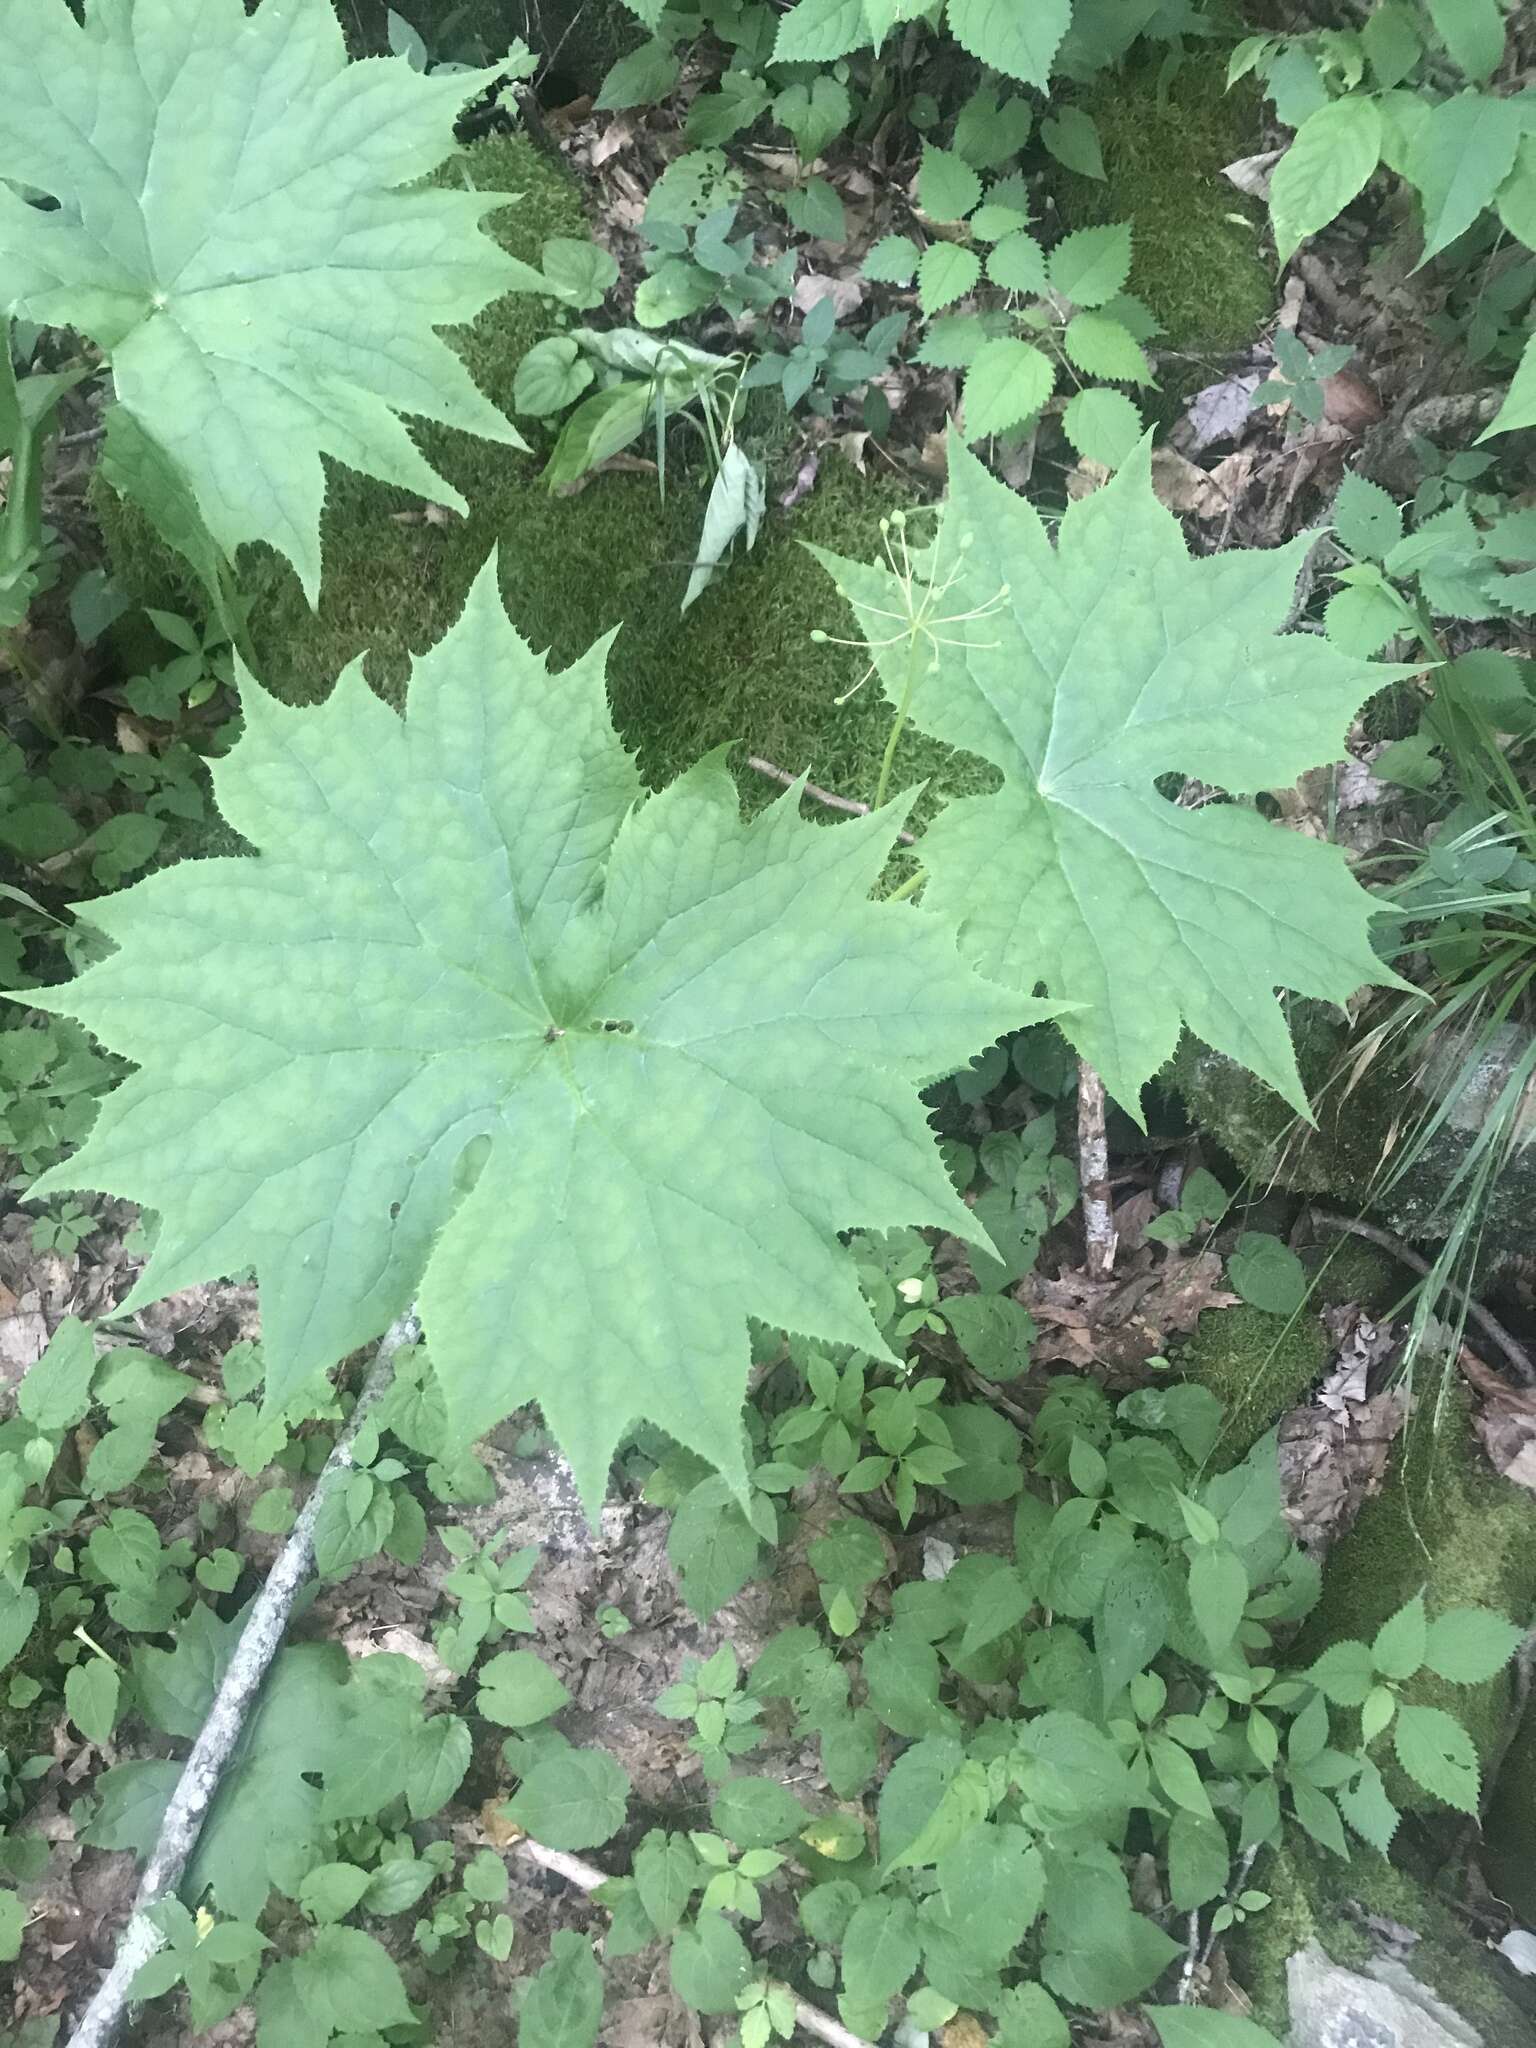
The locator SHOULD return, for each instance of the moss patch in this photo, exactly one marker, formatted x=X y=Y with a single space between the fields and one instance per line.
x=1198 y=253
x=1314 y=1897
x=1510 y=1828
x=1258 y=1366
x=739 y=667
x=1446 y=1523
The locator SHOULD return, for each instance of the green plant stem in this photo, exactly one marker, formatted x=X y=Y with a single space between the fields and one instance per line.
x=909 y=887
x=898 y=723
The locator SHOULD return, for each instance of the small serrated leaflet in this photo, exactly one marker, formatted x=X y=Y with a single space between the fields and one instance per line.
x=1008 y=382
x=1468 y=1645
x=1020 y=40
x=1102 y=347
x=1103 y=426
x=1438 y=1753
x=1090 y=265
x=945 y=273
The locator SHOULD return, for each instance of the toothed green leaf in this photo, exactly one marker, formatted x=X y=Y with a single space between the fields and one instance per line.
x=241 y=227
x=1085 y=672
x=593 y=1080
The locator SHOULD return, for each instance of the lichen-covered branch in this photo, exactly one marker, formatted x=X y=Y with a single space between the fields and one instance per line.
x=258 y=1645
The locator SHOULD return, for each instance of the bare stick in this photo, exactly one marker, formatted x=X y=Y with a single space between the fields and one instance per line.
x=1093 y=1174
x=828 y=797
x=588 y=1878
x=258 y=1645
x=1519 y=1358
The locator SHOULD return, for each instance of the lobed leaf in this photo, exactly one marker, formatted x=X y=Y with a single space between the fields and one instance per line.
x=247 y=238
x=595 y=1081
x=1085 y=671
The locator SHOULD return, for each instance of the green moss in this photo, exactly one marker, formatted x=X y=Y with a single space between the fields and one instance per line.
x=1318 y=1897
x=1510 y=1826
x=1341 y=1156
x=1257 y=1365
x=1347 y=1269
x=1198 y=255
x=738 y=667
x=1446 y=1523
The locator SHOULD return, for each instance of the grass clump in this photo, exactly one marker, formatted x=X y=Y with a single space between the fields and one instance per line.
x=1197 y=249
x=739 y=667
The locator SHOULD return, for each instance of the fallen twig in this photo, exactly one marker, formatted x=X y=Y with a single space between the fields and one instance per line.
x=1093 y=1174
x=1486 y=1321
x=259 y=1642
x=828 y=797
x=588 y=1878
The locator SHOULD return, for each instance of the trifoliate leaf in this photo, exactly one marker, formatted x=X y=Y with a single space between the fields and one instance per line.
x=1085 y=672
x=945 y=273
x=1090 y=266
x=1335 y=151
x=678 y=1077
x=1104 y=348
x=1019 y=40
x=1103 y=426
x=248 y=239
x=1008 y=383
x=1468 y=1645
x=1436 y=1751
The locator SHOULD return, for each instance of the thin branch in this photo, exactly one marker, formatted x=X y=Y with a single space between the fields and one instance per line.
x=588 y=1878
x=259 y=1642
x=828 y=797
x=1093 y=1174
x=1513 y=1350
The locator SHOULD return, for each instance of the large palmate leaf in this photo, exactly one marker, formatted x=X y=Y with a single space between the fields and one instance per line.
x=236 y=226
x=1086 y=672
x=680 y=1052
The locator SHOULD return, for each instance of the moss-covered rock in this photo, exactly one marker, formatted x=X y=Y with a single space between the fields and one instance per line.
x=740 y=666
x=1365 y=1114
x=1258 y=1366
x=1198 y=255
x=1318 y=1897
x=1509 y=1829
x=1446 y=1524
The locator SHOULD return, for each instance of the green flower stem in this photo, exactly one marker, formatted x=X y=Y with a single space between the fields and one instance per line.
x=898 y=723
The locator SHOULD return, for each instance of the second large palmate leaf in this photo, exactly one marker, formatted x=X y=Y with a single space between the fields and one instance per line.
x=597 y=1078
x=237 y=226
x=1088 y=672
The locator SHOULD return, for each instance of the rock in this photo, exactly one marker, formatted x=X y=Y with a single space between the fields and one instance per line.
x=1388 y=2008
x=1361 y=1118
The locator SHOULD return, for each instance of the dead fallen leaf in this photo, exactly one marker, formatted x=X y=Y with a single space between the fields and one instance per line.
x=1184 y=487
x=1506 y=1421
x=1350 y=401
x=846 y=293
x=1221 y=412
x=1117 y=1325
x=965 y=2031
x=1334 y=1451
x=1251 y=174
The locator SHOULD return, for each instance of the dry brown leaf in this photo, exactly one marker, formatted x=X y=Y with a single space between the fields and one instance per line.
x=1334 y=1452
x=1117 y=1325
x=1505 y=1423
x=965 y=2031
x=1184 y=487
